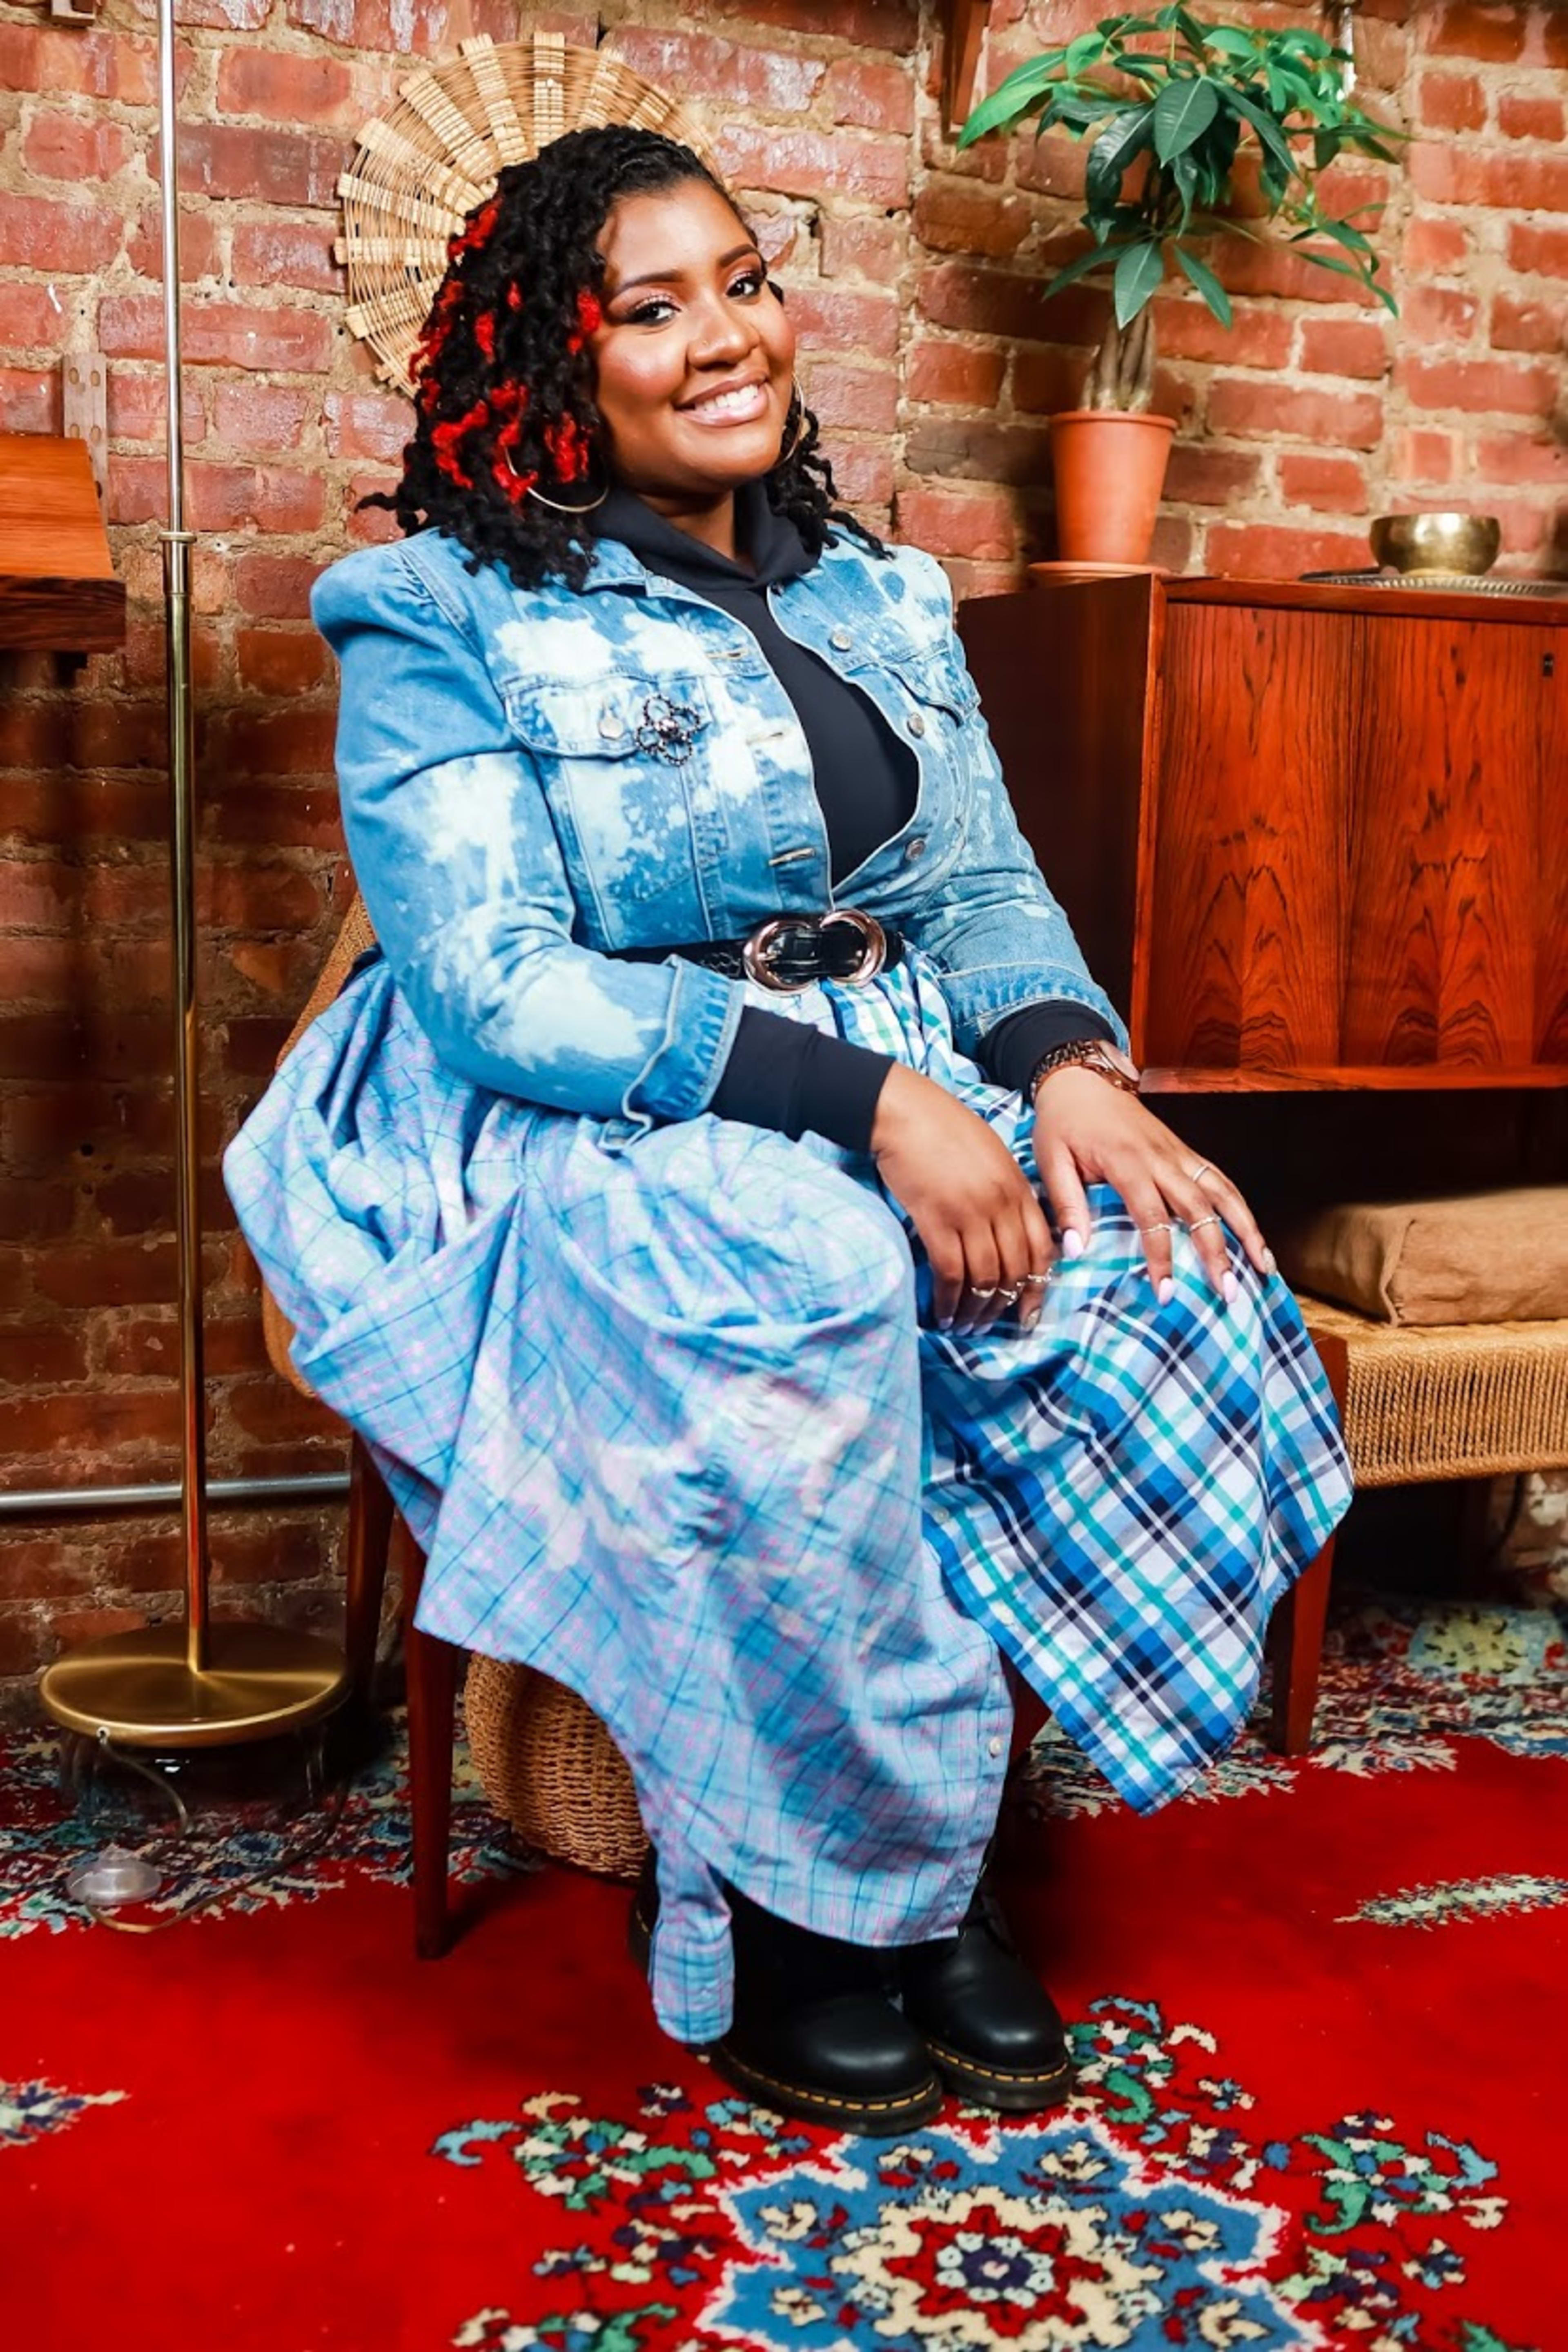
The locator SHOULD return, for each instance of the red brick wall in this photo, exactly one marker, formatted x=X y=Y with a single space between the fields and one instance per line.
x=915 y=276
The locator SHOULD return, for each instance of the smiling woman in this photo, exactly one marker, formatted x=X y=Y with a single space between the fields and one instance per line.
x=694 y=358
x=728 y=1208
x=606 y=316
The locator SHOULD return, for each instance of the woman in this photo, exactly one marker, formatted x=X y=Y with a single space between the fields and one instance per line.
x=666 y=1208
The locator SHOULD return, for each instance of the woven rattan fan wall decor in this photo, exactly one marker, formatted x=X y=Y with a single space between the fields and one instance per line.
x=420 y=169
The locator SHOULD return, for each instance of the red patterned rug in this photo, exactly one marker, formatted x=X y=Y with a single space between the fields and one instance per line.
x=1319 y=2019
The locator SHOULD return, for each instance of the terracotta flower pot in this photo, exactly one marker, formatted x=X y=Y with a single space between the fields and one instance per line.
x=1109 y=468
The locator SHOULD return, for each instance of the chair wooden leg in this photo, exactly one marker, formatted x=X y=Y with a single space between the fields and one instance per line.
x=431 y=1671
x=1297 y=1633
x=365 y=1565
x=1298 y=1655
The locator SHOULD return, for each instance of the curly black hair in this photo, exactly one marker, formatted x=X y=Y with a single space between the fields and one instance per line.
x=504 y=385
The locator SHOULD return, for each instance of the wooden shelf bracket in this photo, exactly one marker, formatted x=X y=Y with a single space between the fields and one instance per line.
x=963 y=28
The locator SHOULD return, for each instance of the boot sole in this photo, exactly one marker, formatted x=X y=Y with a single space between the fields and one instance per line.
x=1003 y=2092
x=873 y=2118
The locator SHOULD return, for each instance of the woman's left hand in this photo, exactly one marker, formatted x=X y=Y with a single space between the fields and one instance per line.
x=1087 y=1131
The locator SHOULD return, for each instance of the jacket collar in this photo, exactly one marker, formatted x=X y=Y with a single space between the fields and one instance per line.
x=630 y=553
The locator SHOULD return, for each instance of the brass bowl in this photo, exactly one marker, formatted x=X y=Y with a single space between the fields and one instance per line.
x=1463 y=546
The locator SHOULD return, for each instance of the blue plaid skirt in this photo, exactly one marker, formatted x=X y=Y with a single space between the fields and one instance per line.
x=668 y=1411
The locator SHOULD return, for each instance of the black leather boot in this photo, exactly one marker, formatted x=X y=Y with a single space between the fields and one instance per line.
x=814 y=2033
x=991 y=2027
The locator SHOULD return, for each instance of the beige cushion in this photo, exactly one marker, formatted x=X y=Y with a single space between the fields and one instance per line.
x=1479 y=1257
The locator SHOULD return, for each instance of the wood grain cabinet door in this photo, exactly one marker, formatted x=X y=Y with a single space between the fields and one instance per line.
x=1244 y=905
x=1551 y=880
x=1451 y=846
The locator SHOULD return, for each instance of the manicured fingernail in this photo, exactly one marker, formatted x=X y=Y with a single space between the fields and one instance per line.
x=1270 y=1263
x=1231 y=1288
x=1166 y=1292
x=1072 y=1242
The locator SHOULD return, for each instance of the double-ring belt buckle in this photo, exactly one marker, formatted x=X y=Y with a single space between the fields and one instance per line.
x=756 y=951
x=874 y=944
x=757 y=948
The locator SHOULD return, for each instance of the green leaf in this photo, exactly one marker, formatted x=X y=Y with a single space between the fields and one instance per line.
x=1269 y=135
x=1207 y=284
x=1342 y=234
x=1113 y=151
x=1325 y=147
x=1085 y=110
x=1340 y=268
x=1185 y=172
x=1078 y=267
x=1232 y=39
x=1182 y=112
x=1024 y=89
x=1138 y=273
x=1087 y=49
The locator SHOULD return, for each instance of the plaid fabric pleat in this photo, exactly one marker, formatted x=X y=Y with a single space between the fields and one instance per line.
x=668 y=1413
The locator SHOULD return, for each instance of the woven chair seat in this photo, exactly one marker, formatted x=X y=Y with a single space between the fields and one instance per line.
x=548 y=1766
x=1450 y=1401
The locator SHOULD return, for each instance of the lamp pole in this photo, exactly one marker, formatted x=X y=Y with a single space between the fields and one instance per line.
x=200 y=1684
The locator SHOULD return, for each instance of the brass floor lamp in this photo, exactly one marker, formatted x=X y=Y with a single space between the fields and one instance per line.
x=200 y=1684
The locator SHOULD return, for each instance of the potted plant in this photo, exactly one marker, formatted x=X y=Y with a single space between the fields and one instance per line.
x=1171 y=106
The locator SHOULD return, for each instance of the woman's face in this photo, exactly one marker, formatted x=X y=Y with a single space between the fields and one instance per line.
x=695 y=357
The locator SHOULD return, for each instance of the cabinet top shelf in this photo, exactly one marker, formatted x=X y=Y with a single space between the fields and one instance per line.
x=1549 y=609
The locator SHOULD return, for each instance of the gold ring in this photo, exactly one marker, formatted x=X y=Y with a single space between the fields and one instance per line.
x=1161 y=1225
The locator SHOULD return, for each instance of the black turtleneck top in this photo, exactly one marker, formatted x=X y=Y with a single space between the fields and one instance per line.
x=782 y=1074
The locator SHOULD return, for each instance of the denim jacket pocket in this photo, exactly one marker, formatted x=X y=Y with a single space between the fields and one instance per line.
x=933 y=676
x=616 y=757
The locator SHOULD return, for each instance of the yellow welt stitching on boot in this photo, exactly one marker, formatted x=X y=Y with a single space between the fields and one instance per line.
x=995 y=2073
x=823 y=2098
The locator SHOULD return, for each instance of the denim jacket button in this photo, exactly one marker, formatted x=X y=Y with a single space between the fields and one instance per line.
x=915 y=850
x=610 y=726
x=841 y=641
x=915 y=723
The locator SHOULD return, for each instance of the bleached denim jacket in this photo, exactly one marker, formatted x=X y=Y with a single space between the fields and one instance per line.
x=532 y=777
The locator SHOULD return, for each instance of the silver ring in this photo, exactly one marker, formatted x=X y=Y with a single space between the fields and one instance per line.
x=1036 y=1281
x=1010 y=1291
x=1199 y=1222
x=1203 y=1167
x=980 y=1290
x=1161 y=1225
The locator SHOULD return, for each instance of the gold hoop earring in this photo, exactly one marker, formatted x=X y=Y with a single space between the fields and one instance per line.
x=797 y=399
x=558 y=506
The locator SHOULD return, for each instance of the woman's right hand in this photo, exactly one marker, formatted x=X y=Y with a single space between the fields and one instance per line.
x=983 y=1227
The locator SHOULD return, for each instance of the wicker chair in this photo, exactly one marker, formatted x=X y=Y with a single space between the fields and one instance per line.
x=1434 y=1401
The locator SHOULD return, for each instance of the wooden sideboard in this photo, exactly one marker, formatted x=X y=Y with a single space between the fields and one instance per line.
x=57 y=589
x=1311 y=837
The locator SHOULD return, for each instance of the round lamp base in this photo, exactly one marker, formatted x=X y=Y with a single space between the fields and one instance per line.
x=259 y=1681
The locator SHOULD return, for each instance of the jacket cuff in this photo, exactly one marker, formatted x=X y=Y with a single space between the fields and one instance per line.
x=785 y=1076
x=1008 y=1053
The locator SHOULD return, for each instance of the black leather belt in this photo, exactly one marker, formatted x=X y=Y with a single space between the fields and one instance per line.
x=789 y=953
